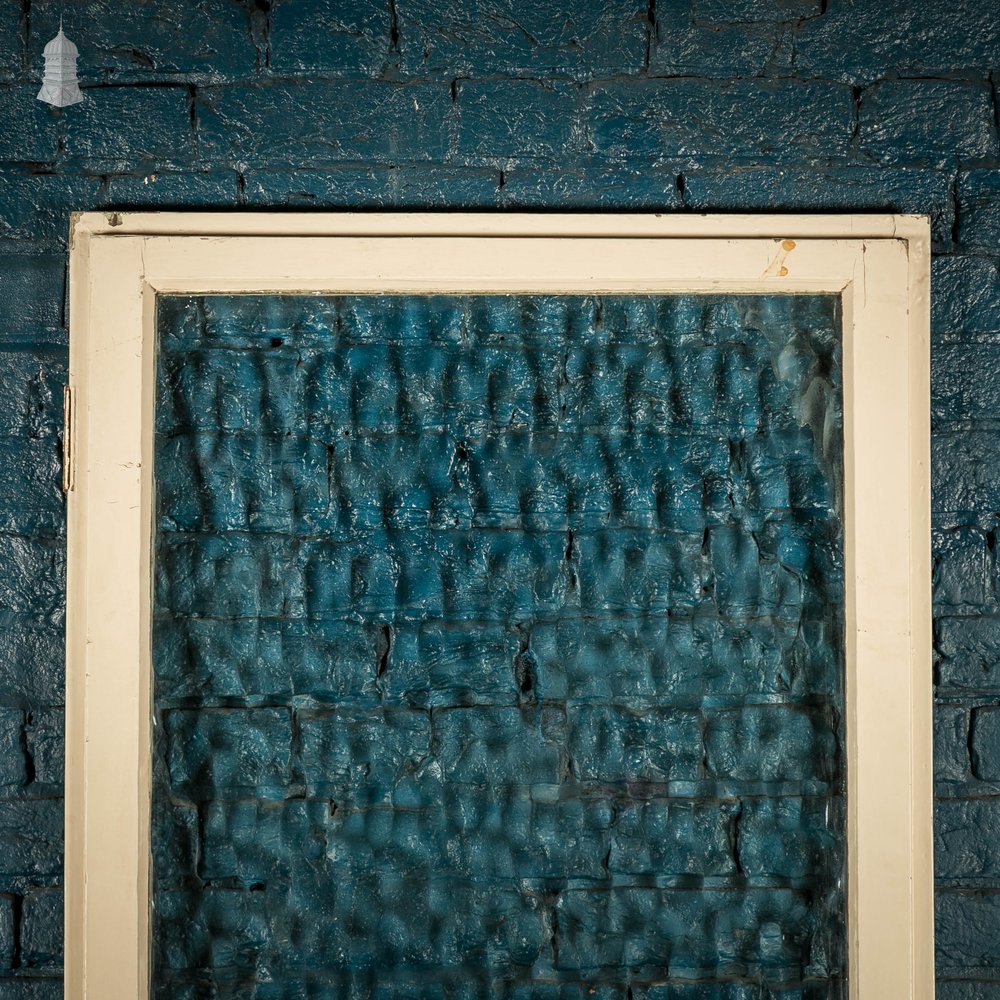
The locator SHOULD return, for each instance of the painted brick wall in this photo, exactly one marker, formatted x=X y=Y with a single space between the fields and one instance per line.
x=673 y=105
x=498 y=648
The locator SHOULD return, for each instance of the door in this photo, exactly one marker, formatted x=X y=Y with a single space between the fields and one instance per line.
x=516 y=612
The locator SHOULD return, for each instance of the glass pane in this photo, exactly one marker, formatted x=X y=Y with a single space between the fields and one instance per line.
x=498 y=648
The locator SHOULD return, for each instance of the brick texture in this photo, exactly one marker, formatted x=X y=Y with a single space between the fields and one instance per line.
x=474 y=601
x=849 y=105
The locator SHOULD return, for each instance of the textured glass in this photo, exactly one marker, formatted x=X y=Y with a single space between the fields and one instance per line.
x=498 y=648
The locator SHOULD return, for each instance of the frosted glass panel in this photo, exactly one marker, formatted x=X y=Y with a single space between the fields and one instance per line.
x=498 y=648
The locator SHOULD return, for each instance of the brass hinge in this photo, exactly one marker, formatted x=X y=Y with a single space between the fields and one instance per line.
x=69 y=443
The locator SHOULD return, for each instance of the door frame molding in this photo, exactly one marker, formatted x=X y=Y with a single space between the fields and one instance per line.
x=878 y=264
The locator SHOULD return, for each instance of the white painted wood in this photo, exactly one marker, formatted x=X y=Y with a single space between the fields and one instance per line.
x=108 y=628
x=879 y=266
x=673 y=226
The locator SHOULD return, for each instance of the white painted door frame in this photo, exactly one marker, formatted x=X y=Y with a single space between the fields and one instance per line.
x=879 y=265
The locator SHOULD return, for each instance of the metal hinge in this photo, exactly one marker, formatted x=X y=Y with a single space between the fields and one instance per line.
x=69 y=443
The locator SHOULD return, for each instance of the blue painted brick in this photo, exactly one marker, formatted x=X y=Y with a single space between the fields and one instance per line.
x=42 y=930
x=810 y=577
x=794 y=188
x=952 y=989
x=968 y=653
x=337 y=572
x=587 y=38
x=644 y=660
x=952 y=766
x=227 y=928
x=411 y=187
x=190 y=571
x=358 y=756
x=226 y=753
x=965 y=384
x=369 y=122
x=500 y=831
x=38 y=206
x=572 y=991
x=264 y=842
x=31 y=660
x=664 y=571
x=242 y=660
x=517 y=120
x=8 y=932
x=437 y=663
x=30 y=486
x=296 y=498
x=11 y=46
x=726 y=991
x=32 y=128
x=770 y=743
x=755 y=573
x=718 y=12
x=966 y=841
x=13 y=771
x=511 y=932
x=32 y=583
x=413 y=388
x=611 y=744
x=691 y=120
x=926 y=39
x=927 y=121
x=175 y=843
x=31 y=384
x=436 y=746
x=965 y=304
x=127 y=128
x=682 y=47
x=187 y=323
x=750 y=940
x=863 y=41
x=966 y=943
x=466 y=575
x=370 y=842
x=387 y=319
x=793 y=837
x=32 y=832
x=31 y=989
x=46 y=745
x=223 y=926
x=494 y=746
x=587 y=187
x=173 y=189
x=979 y=209
x=32 y=286
x=963 y=570
x=966 y=478
x=138 y=42
x=315 y=37
x=984 y=743
x=220 y=391
x=673 y=837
